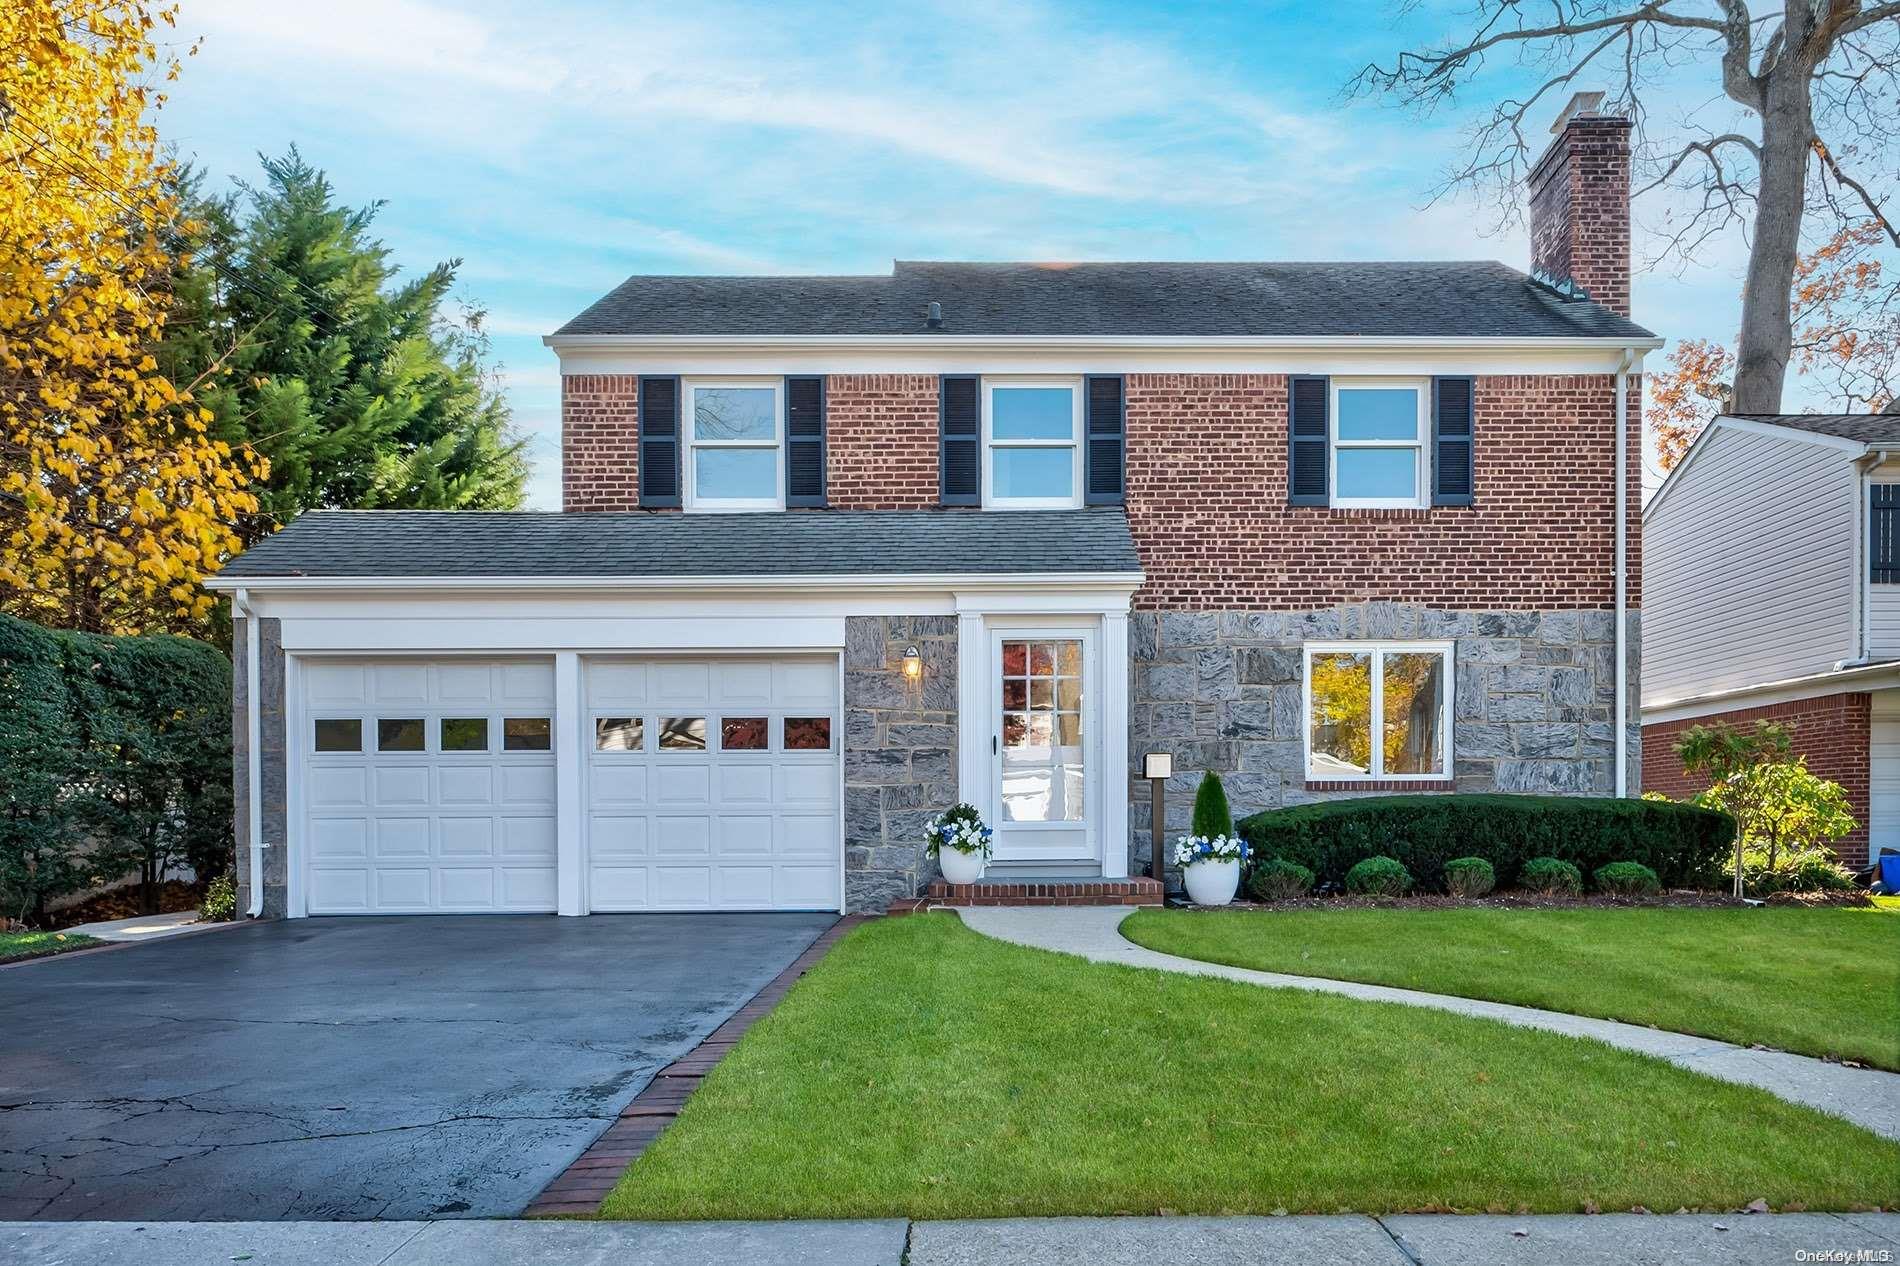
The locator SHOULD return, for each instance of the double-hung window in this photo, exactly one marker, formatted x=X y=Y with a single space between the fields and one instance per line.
x=1379 y=432
x=1378 y=710
x=1032 y=452
x=735 y=434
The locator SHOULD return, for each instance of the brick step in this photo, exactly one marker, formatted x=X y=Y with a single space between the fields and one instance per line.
x=1040 y=892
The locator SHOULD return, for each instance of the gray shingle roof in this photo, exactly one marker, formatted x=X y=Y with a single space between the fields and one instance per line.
x=1862 y=428
x=637 y=545
x=1467 y=299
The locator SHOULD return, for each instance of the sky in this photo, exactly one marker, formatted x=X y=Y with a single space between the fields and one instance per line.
x=556 y=148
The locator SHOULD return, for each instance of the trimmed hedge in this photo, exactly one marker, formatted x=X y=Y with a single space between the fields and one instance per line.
x=1685 y=845
x=115 y=755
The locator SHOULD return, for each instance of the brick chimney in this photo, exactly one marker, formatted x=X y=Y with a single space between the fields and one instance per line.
x=1580 y=204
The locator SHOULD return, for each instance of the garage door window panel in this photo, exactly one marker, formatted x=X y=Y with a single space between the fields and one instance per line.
x=620 y=734
x=527 y=734
x=807 y=734
x=401 y=734
x=744 y=734
x=338 y=734
x=682 y=734
x=463 y=734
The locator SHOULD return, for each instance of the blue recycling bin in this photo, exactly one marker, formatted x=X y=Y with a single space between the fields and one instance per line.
x=1890 y=871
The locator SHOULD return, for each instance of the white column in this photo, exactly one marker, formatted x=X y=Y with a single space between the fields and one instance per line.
x=1114 y=775
x=569 y=746
x=975 y=726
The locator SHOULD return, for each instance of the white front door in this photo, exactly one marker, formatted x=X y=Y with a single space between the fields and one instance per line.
x=1042 y=709
x=712 y=784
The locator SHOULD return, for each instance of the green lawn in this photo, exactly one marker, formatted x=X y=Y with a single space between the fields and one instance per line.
x=922 y=1070
x=1818 y=981
x=39 y=944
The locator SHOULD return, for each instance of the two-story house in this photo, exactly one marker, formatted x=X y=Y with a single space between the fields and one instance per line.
x=838 y=552
x=1772 y=589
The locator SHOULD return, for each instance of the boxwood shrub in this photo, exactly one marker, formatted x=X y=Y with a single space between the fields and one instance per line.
x=1685 y=845
x=1627 y=879
x=1551 y=877
x=1469 y=877
x=1279 y=880
x=1379 y=877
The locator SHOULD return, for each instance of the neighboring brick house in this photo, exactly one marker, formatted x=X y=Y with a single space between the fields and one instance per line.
x=838 y=552
x=1772 y=587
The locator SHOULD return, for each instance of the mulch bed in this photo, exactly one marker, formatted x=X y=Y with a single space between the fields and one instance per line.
x=1683 y=898
x=123 y=903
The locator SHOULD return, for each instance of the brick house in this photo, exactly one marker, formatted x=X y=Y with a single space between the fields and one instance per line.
x=1772 y=585
x=838 y=552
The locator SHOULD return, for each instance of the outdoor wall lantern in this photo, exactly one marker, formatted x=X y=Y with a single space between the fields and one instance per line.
x=1157 y=767
x=913 y=662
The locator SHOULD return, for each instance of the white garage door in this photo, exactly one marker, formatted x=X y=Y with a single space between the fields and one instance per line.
x=713 y=784
x=428 y=786
x=1883 y=818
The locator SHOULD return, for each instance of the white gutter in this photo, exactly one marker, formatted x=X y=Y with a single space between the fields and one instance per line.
x=253 y=755
x=965 y=342
x=982 y=581
x=1622 y=572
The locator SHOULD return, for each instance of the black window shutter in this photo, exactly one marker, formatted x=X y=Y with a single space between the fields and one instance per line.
x=1883 y=534
x=660 y=443
x=1452 y=436
x=1107 y=440
x=960 y=440
x=1307 y=432
x=805 y=441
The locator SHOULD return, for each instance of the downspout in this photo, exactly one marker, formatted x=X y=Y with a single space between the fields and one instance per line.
x=253 y=756
x=1622 y=572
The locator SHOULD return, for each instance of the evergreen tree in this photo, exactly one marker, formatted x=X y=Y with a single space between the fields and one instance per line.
x=1211 y=815
x=303 y=342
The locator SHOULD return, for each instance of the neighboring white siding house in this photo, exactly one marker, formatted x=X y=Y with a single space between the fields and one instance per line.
x=1750 y=564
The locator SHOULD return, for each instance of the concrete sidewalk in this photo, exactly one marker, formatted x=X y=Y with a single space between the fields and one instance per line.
x=1605 y=1240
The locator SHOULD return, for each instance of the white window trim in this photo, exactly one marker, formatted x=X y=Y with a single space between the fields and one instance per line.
x=1378 y=650
x=1421 y=466
x=1074 y=444
x=691 y=499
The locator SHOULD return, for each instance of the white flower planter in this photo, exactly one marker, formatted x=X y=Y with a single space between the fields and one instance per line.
x=960 y=867
x=1212 y=883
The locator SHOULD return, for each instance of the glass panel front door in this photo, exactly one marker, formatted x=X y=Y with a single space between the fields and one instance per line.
x=1042 y=770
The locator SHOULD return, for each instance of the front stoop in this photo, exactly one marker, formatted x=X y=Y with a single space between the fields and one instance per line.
x=1037 y=892
x=578 y=1190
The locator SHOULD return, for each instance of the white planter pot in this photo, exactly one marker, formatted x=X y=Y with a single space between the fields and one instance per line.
x=1212 y=883
x=960 y=867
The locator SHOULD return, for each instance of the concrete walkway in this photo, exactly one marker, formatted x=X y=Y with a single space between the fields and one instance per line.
x=144 y=927
x=1351 y=1240
x=1867 y=1097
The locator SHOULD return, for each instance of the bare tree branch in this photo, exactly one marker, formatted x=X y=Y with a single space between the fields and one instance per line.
x=1873 y=207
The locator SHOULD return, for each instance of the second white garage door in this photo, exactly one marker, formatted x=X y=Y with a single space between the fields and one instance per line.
x=713 y=784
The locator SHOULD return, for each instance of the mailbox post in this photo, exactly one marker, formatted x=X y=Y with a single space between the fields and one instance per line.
x=1158 y=767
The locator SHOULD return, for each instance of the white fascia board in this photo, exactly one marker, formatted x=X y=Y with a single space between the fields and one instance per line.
x=1765 y=694
x=998 y=583
x=563 y=343
x=1851 y=448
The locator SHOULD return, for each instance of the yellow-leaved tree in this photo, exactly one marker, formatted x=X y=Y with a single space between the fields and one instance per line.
x=114 y=500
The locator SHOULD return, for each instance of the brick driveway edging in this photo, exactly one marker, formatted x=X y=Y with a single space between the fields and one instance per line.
x=579 y=1189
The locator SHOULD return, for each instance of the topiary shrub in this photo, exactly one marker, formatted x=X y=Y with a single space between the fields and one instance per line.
x=1212 y=817
x=1684 y=844
x=1469 y=877
x=1279 y=880
x=1627 y=879
x=1379 y=877
x=1551 y=877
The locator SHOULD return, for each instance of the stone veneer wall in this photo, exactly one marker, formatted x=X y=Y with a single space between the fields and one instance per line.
x=1533 y=705
x=900 y=753
x=271 y=730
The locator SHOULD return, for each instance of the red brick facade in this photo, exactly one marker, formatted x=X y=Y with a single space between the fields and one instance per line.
x=600 y=449
x=1207 y=487
x=1207 y=480
x=1580 y=210
x=881 y=441
x=1833 y=732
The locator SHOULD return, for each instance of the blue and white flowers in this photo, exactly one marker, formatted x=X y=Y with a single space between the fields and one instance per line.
x=960 y=829
x=1189 y=849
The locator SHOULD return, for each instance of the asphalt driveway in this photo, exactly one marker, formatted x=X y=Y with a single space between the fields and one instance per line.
x=353 y=1068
